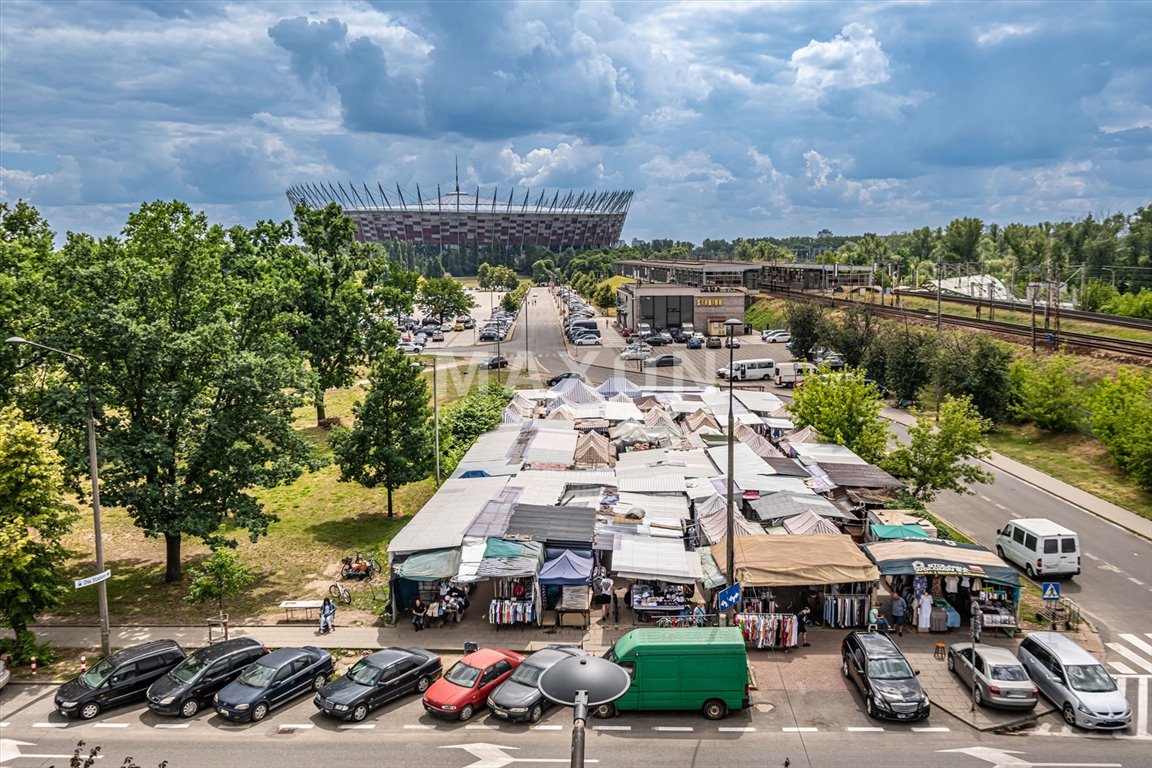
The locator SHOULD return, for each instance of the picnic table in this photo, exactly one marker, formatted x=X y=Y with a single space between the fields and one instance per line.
x=292 y=607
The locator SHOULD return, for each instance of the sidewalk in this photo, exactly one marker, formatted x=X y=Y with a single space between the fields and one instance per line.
x=1113 y=513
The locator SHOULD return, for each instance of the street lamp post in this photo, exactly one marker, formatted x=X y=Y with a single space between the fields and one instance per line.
x=731 y=325
x=93 y=472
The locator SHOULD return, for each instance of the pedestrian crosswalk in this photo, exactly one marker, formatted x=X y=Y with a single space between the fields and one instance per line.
x=1136 y=652
x=1130 y=657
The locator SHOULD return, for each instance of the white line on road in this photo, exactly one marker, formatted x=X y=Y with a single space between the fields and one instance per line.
x=419 y=727
x=295 y=726
x=1090 y=556
x=932 y=729
x=361 y=727
x=1141 y=717
x=1123 y=668
x=5 y=725
x=1132 y=656
x=737 y=729
x=481 y=727
x=547 y=727
x=1135 y=580
x=611 y=727
x=170 y=725
x=864 y=729
x=804 y=729
x=49 y=725
x=110 y=725
x=1001 y=506
x=674 y=728
x=985 y=498
x=1134 y=640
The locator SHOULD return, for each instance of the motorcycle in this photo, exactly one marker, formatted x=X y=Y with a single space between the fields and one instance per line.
x=358 y=568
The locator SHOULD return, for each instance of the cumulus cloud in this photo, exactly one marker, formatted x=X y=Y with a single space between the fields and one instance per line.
x=852 y=59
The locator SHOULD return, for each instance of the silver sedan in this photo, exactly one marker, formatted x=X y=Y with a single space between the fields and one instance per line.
x=1001 y=680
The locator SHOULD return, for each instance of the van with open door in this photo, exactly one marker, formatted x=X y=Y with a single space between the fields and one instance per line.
x=1040 y=546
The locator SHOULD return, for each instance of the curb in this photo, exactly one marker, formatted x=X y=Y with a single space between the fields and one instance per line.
x=1031 y=717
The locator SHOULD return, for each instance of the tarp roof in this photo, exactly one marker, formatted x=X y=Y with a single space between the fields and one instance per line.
x=782 y=561
x=777 y=506
x=430 y=566
x=809 y=523
x=759 y=445
x=568 y=526
x=547 y=486
x=620 y=397
x=713 y=578
x=592 y=449
x=617 y=385
x=859 y=476
x=471 y=555
x=444 y=519
x=712 y=520
x=691 y=463
x=575 y=391
x=663 y=559
x=700 y=418
x=909 y=531
x=660 y=416
x=910 y=557
x=758 y=402
x=507 y=559
x=493 y=518
x=813 y=453
x=568 y=568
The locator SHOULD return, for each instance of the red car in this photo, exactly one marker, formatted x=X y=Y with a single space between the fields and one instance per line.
x=465 y=687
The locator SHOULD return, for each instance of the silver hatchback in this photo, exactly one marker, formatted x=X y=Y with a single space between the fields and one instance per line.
x=1001 y=680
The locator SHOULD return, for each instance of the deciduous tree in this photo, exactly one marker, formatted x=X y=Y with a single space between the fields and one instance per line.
x=219 y=577
x=804 y=326
x=843 y=409
x=941 y=456
x=1121 y=417
x=444 y=297
x=1047 y=393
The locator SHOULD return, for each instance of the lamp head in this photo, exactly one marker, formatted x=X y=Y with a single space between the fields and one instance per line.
x=15 y=340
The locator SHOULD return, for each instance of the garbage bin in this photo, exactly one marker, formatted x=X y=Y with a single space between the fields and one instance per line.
x=470 y=647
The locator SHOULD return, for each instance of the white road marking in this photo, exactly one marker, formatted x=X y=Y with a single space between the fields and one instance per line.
x=803 y=729
x=49 y=725
x=611 y=727
x=170 y=725
x=673 y=728
x=547 y=728
x=352 y=727
x=1135 y=580
x=1090 y=556
x=1141 y=702
x=864 y=729
x=1001 y=506
x=5 y=725
x=295 y=726
x=1123 y=668
x=737 y=729
x=986 y=498
x=419 y=727
x=480 y=727
x=932 y=729
x=110 y=725
x=1132 y=656
x=1135 y=641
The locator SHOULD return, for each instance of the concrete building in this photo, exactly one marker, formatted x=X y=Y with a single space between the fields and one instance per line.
x=668 y=305
x=732 y=274
x=812 y=277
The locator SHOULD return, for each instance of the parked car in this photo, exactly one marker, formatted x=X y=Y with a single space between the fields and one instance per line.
x=466 y=686
x=377 y=679
x=4 y=674
x=587 y=341
x=437 y=336
x=119 y=678
x=661 y=361
x=518 y=699
x=714 y=342
x=272 y=681
x=469 y=324
x=191 y=684
x=695 y=343
x=1040 y=546
x=410 y=346
x=732 y=342
x=1073 y=680
x=635 y=354
x=655 y=340
x=1001 y=680
x=496 y=361
x=565 y=375
x=889 y=685
x=776 y=336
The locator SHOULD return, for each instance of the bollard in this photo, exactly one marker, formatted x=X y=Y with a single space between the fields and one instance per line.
x=33 y=663
x=83 y=663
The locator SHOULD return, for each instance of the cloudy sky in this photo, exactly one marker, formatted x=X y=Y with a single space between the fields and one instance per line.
x=729 y=119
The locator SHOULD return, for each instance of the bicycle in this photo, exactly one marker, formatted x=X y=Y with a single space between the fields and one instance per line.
x=340 y=592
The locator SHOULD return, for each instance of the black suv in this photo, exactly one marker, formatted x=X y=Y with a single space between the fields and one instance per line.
x=190 y=684
x=873 y=662
x=120 y=678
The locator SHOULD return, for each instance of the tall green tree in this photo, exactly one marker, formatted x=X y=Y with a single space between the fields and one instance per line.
x=194 y=376
x=542 y=271
x=443 y=297
x=852 y=334
x=907 y=362
x=26 y=249
x=331 y=300
x=391 y=441
x=33 y=519
x=1049 y=393
x=941 y=456
x=975 y=366
x=218 y=578
x=962 y=240
x=844 y=409
x=1121 y=417
x=804 y=326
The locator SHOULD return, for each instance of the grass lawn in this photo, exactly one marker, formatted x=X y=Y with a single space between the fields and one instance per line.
x=1076 y=459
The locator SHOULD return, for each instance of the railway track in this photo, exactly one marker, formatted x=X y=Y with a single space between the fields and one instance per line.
x=1138 y=323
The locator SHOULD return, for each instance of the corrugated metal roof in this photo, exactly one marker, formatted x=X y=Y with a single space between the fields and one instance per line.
x=547 y=486
x=493 y=518
x=663 y=559
x=786 y=467
x=443 y=520
x=551 y=447
x=762 y=403
x=810 y=453
x=494 y=445
x=557 y=526
x=652 y=483
x=666 y=506
x=777 y=506
x=694 y=463
x=859 y=476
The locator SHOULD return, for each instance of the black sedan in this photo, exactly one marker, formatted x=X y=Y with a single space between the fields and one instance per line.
x=562 y=376
x=496 y=361
x=655 y=340
x=518 y=699
x=889 y=685
x=275 y=679
x=377 y=679
x=661 y=361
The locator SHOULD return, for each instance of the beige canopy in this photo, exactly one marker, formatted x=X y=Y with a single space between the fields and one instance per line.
x=785 y=561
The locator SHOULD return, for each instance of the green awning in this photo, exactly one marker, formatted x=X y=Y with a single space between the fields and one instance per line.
x=908 y=531
x=497 y=547
x=430 y=566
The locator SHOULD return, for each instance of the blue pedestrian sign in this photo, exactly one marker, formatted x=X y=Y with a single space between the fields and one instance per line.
x=1050 y=590
x=729 y=597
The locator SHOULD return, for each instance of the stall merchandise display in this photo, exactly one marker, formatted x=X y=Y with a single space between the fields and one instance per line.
x=845 y=611
x=512 y=612
x=769 y=630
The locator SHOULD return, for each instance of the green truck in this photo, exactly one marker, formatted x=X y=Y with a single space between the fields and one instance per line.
x=682 y=668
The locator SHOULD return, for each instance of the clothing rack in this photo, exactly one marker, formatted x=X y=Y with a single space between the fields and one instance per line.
x=769 y=630
x=512 y=612
x=845 y=611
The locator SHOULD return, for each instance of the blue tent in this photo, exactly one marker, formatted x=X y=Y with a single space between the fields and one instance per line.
x=569 y=568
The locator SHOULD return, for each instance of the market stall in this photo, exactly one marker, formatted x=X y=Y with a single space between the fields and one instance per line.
x=663 y=572
x=942 y=581
x=782 y=574
x=513 y=567
x=566 y=579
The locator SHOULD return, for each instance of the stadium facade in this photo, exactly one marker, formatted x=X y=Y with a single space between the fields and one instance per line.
x=555 y=219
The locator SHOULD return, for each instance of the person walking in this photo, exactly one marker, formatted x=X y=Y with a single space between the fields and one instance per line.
x=327 y=616
x=899 y=608
x=607 y=587
x=802 y=625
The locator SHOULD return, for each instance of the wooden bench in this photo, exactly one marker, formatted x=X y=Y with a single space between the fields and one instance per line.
x=307 y=606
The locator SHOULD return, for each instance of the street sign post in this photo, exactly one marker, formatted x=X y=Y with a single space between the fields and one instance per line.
x=88 y=581
x=729 y=597
x=1050 y=591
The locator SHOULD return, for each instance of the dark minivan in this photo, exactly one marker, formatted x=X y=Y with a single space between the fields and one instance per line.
x=119 y=678
x=190 y=684
x=889 y=685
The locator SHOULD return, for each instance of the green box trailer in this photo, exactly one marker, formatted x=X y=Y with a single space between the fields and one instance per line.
x=701 y=668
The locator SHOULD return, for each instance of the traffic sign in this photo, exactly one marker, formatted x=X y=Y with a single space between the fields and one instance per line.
x=88 y=581
x=1051 y=590
x=729 y=597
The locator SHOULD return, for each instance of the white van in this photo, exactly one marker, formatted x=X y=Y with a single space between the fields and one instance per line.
x=791 y=374
x=754 y=370
x=1040 y=546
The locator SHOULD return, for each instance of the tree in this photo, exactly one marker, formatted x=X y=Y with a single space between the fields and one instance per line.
x=468 y=418
x=219 y=577
x=1047 y=393
x=33 y=519
x=542 y=271
x=510 y=302
x=843 y=409
x=331 y=300
x=443 y=297
x=194 y=374
x=852 y=335
x=1121 y=417
x=975 y=366
x=391 y=442
x=804 y=326
x=907 y=363
x=941 y=457
x=434 y=268
x=962 y=239
x=484 y=276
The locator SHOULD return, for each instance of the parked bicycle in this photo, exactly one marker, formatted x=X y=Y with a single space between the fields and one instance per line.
x=360 y=568
x=340 y=592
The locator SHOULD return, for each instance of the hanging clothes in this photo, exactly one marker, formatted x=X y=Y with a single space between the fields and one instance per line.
x=511 y=612
x=845 y=611
x=769 y=630
x=924 y=613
